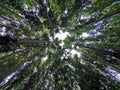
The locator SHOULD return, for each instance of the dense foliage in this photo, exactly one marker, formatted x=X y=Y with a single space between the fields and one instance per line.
x=59 y=44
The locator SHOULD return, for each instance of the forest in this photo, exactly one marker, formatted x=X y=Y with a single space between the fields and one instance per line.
x=59 y=45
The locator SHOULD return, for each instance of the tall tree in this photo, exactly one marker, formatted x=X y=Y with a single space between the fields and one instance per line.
x=59 y=45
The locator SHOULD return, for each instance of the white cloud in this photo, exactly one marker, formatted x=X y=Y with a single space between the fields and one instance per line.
x=62 y=35
x=74 y=52
x=84 y=35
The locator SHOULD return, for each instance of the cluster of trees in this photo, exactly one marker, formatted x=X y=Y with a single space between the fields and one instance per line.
x=32 y=58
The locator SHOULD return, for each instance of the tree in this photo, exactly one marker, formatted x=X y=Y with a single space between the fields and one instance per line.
x=35 y=58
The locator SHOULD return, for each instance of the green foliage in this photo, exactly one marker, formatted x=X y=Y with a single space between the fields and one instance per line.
x=40 y=62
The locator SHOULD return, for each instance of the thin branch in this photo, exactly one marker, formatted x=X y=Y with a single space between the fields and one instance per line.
x=8 y=9
x=114 y=13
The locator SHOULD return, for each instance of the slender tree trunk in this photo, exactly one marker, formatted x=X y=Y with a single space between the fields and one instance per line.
x=103 y=52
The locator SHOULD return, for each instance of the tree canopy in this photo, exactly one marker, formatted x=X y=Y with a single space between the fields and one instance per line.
x=59 y=44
